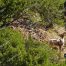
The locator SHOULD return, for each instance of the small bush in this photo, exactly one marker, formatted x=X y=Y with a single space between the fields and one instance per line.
x=12 y=49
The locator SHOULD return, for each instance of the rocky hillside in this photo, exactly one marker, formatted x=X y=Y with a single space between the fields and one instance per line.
x=37 y=31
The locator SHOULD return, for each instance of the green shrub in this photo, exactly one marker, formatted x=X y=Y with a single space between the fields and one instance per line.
x=49 y=10
x=40 y=54
x=12 y=50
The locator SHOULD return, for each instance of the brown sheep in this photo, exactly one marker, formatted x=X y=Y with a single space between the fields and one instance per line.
x=56 y=43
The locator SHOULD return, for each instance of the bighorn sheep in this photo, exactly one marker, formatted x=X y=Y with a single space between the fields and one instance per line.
x=57 y=43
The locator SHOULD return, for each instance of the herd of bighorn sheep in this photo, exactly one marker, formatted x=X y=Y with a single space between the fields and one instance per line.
x=58 y=43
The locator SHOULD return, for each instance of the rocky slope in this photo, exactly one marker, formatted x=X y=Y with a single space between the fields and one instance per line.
x=36 y=31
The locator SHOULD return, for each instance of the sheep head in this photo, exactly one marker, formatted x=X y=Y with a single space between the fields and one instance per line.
x=62 y=34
